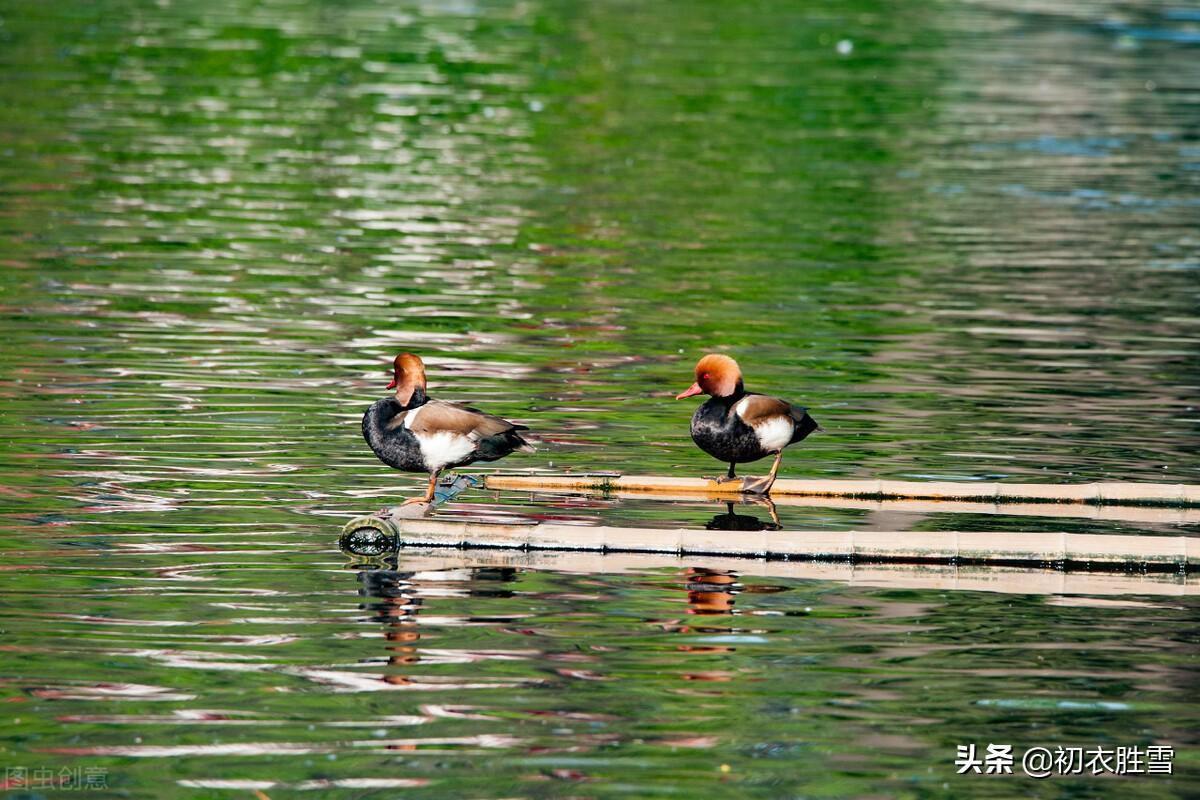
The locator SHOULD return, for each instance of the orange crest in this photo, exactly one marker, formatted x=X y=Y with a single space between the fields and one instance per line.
x=409 y=375
x=718 y=375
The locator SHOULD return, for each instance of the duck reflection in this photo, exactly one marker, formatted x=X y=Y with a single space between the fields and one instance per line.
x=395 y=599
x=394 y=603
x=710 y=591
x=732 y=521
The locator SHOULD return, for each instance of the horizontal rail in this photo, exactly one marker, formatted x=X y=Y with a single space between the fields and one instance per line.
x=959 y=577
x=945 y=546
x=1149 y=515
x=1126 y=494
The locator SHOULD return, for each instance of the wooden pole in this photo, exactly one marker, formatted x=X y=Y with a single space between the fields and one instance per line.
x=1148 y=515
x=1157 y=494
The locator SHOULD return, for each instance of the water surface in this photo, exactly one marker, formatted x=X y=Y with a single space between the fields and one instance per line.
x=962 y=234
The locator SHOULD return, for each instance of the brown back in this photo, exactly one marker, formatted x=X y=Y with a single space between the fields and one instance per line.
x=759 y=408
x=438 y=416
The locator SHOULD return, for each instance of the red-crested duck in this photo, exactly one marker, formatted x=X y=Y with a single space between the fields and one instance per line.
x=738 y=426
x=414 y=433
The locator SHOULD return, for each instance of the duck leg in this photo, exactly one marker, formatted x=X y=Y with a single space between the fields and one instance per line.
x=727 y=477
x=428 y=498
x=763 y=485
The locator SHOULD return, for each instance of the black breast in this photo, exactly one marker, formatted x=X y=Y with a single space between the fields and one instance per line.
x=720 y=432
x=395 y=446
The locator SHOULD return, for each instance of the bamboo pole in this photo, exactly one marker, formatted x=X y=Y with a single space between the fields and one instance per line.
x=940 y=577
x=944 y=546
x=1159 y=494
x=1149 y=515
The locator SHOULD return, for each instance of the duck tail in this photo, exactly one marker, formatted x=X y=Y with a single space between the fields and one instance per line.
x=804 y=425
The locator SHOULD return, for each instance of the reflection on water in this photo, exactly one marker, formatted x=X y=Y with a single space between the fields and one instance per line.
x=702 y=659
x=732 y=521
x=964 y=234
x=243 y=666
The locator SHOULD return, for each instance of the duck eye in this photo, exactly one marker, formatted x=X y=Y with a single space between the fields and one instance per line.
x=705 y=376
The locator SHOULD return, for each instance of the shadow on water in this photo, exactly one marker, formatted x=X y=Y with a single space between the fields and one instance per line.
x=732 y=521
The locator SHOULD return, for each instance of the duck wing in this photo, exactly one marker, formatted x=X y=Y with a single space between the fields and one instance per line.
x=492 y=436
x=465 y=407
x=771 y=417
x=438 y=416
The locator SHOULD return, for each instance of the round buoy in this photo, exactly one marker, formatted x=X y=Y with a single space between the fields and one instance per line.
x=369 y=536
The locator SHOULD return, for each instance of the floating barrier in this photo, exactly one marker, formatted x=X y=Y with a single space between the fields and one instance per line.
x=406 y=526
x=1112 y=550
x=1154 y=494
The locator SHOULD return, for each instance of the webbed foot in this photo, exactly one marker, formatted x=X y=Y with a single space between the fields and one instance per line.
x=759 y=486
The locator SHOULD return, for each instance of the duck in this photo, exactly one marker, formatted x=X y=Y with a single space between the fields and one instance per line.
x=413 y=432
x=739 y=427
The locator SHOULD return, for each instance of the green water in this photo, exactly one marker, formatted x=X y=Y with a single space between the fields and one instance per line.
x=963 y=234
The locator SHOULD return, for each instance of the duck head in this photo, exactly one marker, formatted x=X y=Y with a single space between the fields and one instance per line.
x=408 y=378
x=716 y=375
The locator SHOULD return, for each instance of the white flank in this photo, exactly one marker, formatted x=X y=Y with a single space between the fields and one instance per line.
x=441 y=448
x=773 y=433
x=444 y=447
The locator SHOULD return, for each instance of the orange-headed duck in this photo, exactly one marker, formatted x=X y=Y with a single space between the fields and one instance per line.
x=414 y=433
x=738 y=426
